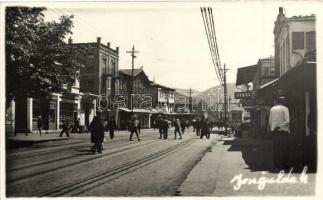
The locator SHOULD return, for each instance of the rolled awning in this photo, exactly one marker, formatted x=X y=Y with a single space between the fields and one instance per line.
x=246 y=74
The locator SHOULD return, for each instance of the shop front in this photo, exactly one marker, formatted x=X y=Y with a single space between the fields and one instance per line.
x=299 y=87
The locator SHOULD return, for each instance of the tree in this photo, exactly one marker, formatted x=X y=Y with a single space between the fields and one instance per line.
x=38 y=60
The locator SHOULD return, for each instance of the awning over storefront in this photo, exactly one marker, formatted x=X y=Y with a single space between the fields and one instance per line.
x=302 y=76
x=246 y=74
x=136 y=110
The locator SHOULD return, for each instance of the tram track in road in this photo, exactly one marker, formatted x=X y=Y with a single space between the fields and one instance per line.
x=78 y=162
x=60 y=148
x=78 y=187
x=43 y=162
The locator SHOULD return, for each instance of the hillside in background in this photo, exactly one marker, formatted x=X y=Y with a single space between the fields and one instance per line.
x=231 y=88
x=185 y=92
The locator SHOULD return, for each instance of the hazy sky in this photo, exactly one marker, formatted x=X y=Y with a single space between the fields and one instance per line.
x=171 y=37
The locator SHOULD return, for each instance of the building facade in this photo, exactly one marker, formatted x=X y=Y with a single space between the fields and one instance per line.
x=163 y=98
x=98 y=77
x=294 y=37
x=295 y=53
x=136 y=101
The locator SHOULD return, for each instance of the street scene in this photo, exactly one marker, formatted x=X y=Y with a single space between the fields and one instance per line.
x=109 y=100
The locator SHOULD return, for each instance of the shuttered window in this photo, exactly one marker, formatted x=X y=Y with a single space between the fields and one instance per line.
x=298 y=40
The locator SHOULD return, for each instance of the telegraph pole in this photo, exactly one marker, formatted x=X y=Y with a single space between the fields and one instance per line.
x=132 y=70
x=190 y=92
x=225 y=97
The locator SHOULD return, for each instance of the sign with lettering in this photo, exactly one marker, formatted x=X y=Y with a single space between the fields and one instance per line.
x=243 y=95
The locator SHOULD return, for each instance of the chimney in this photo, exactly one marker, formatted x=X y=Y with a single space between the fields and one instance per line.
x=70 y=40
x=98 y=40
x=108 y=44
x=117 y=49
x=281 y=10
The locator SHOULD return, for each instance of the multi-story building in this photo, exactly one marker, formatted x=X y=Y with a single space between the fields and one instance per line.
x=295 y=61
x=136 y=100
x=294 y=37
x=259 y=102
x=99 y=76
x=163 y=98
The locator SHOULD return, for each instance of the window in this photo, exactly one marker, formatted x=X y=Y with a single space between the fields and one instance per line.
x=104 y=61
x=310 y=40
x=298 y=40
x=113 y=70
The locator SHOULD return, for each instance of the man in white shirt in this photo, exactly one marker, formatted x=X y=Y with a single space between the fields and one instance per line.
x=279 y=125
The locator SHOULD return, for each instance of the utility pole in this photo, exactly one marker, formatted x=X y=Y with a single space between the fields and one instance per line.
x=225 y=97
x=190 y=92
x=132 y=72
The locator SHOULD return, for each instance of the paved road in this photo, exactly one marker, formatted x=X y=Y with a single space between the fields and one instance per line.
x=151 y=167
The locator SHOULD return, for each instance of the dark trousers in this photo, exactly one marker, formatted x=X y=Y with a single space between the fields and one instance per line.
x=98 y=145
x=281 y=149
x=165 y=133
x=132 y=131
x=179 y=133
x=160 y=132
x=66 y=131
x=39 y=128
x=111 y=132
x=198 y=131
x=206 y=134
x=183 y=130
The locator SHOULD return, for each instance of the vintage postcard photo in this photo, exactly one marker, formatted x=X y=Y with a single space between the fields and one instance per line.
x=160 y=99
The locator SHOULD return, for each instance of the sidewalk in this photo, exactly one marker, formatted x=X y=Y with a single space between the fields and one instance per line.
x=240 y=167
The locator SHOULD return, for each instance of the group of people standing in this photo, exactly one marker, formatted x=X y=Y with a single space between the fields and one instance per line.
x=163 y=125
x=202 y=127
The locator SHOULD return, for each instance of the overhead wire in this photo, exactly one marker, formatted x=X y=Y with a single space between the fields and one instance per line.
x=216 y=44
x=207 y=31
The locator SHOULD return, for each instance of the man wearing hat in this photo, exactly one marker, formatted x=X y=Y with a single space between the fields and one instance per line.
x=279 y=125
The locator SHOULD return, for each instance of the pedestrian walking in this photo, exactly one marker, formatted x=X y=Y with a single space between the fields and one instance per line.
x=134 y=128
x=205 y=131
x=97 y=133
x=65 y=128
x=39 y=124
x=159 y=125
x=279 y=125
x=177 y=129
x=183 y=126
x=165 y=126
x=194 y=124
x=112 y=125
x=77 y=128
x=198 y=127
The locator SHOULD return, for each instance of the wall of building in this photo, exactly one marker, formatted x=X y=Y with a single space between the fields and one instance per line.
x=286 y=57
x=299 y=26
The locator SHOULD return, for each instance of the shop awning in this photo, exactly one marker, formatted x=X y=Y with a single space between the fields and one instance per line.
x=302 y=76
x=246 y=74
x=136 y=110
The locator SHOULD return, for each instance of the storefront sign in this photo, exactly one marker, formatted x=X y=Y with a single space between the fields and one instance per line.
x=243 y=95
